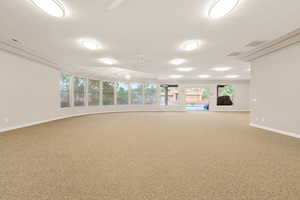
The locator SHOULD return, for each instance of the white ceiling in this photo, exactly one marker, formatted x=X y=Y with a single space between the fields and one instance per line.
x=147 y=30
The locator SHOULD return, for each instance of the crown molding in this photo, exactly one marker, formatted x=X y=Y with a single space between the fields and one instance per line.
x=20 y=50
x=270 y=47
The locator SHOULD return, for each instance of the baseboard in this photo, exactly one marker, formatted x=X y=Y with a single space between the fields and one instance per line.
x=276 y=130
x=77 y=115
x=231 y=111
x=31 y=124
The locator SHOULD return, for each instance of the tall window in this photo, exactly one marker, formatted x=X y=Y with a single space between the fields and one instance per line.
x=108 y=93
x=150 y=93
x=136 y=93
x=65 y=95
x=94 y=92
x=162 y=95
x=79 y=91
x=122 y=93
x=173 y=96
x=225 y=95
x=169 y=95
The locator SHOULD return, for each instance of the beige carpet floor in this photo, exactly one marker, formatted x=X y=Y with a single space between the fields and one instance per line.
x=149 y=156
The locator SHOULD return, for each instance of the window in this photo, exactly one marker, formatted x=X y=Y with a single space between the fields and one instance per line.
x=108 y=93
x=225 y=95
x=197 y=99
x=136 y=93
x=79 y=91
x=163 y=91
x=173 y=96
x=122 y=93
x=94 y=93
x=169 y=95
x=150 y=93
x=65 y=96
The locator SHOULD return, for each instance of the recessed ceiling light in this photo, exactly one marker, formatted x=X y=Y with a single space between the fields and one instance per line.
x=221 y=69
x=232 y=76
x=90 y=44
x=190 y=45
x=51 y=7
x=127 y=77
x=176 y=76
x=204 y=76
x=184 y=69
x=108 y=61
x=222 y=8
x=178 y=61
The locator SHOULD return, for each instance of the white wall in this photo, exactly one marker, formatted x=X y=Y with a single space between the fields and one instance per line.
x=275 y=91
x=30 y=95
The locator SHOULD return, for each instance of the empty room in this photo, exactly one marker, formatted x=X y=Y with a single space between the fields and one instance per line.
x=149 y=100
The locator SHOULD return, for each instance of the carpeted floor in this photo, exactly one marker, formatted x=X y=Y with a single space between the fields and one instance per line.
x=149 y=156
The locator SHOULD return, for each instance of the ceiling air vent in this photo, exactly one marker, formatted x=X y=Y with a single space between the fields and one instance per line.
x=255 y=43
x=235 y=54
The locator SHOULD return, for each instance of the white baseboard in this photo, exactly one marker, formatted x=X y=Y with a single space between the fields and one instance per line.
x=77 y=115
x=230 y=110
x=276 y=130
x=30 y=124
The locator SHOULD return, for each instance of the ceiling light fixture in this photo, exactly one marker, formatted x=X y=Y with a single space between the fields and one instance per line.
x=204 y=76
x=176 y=76
x=51 y=7
x=178 y=61
x=108 y=61
x=190 y=45
x=127 y=77
x=90 y=44
x=221 y=69
x=232 y=76
x=222 y=8
x=184 y=69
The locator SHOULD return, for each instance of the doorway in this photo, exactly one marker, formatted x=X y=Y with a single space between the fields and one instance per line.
x=197 y=99
x=169 y=95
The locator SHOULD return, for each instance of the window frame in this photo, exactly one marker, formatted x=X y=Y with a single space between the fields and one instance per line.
x=231 y=97
x=131 y=93
x=70 y=90
x=88 y=92
x=113 y=84
x=85 y=91
x=128 y=93
x=156 y=94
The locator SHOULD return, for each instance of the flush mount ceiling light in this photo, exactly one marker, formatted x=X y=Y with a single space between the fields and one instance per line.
x=184 y=69
x=127 y=77
x=204 y=76
x=232 y=76
x=51 y=7
x=221 y=69
x=190 y=45
x=178 y=61
x=108 y=61
x=175 y=76
x=222 y=8
x=90 y=44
